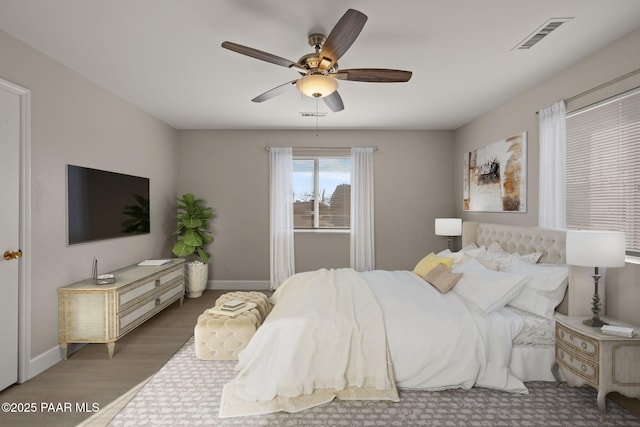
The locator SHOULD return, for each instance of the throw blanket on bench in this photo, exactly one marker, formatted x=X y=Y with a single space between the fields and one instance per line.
x=325 y=338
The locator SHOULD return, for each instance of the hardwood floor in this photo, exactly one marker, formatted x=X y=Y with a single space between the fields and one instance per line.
x=66 y=394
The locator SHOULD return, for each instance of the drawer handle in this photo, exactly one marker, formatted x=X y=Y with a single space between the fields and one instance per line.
x=157 y=282
x=561 y=354
x=584 y=368
x=562 y=334
x=158 y=302
x=571 y=337
x=584 y=345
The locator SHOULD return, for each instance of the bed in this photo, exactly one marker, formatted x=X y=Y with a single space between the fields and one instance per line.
x=339 y=333
x=533 y=349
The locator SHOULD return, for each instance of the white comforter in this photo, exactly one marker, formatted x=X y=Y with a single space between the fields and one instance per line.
x=325 y=331
x=439 y=341
x=315 y=338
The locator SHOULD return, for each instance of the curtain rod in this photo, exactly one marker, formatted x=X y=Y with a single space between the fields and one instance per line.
x=601 y=86
x=375 y=148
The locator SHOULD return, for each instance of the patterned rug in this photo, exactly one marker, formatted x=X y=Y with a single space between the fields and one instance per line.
x=186 y=392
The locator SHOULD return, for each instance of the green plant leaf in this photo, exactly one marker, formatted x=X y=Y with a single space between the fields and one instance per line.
x=191 y=222
x=203 y=255
x=182 y=249
x=192 y=238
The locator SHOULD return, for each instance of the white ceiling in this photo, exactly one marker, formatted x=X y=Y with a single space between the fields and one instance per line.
x=165 y=56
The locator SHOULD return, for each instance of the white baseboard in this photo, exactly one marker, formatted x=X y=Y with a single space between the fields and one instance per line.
x=45 y=360
x=239 y=285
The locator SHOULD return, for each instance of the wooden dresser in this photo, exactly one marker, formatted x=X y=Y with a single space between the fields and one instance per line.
x=587 y=357
x=90 y=313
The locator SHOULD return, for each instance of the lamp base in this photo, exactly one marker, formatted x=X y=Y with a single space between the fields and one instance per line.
x=595 y=322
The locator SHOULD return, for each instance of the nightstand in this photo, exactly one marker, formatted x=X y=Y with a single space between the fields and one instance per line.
x=587 y=357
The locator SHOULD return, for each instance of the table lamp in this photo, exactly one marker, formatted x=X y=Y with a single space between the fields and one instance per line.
x=449 y=227
x=590 y=248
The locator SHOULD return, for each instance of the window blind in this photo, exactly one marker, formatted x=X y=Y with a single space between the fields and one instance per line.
x=603 y=168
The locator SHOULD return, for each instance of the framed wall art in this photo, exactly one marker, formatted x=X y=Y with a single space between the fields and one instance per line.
x=495 y=176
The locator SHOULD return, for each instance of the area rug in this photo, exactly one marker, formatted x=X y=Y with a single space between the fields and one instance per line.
x=187 y=391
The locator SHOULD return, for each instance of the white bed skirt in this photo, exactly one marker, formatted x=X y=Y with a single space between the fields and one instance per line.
x=532 y=363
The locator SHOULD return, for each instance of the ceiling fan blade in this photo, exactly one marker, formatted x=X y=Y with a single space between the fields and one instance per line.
x=374 y=75
x=341 y=37
x=334 y=102
x=278 y=90
x=258 y=54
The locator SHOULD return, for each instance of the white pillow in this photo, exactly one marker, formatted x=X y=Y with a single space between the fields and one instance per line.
x=458 y=257
x=489 y=290
x=470 y=265
x=496 y=254
x=474 y=252
x=545 y=286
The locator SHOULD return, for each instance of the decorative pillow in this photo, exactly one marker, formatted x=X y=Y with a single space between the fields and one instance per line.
x=427 y=263
x=458 y=257
x=545 y=286
x=489 y=290
x=442 y=279
x=475 y=252
x=495 y=254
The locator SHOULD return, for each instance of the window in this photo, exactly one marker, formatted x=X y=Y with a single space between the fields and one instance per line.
x=322 y=192
x=603 y=172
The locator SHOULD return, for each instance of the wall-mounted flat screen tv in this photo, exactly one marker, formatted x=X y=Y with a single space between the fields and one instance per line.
x=104 y=205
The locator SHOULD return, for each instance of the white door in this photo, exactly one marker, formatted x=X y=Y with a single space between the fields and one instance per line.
x=9 y=234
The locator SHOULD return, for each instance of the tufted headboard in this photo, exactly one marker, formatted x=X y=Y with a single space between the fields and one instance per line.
x=522 y=240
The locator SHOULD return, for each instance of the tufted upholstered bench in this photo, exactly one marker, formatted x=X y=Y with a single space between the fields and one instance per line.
x=220 y=337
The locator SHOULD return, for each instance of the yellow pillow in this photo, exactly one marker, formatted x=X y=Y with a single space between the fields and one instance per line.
x=427 y=263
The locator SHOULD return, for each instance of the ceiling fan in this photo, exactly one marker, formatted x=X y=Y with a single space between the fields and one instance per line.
x=319 y=70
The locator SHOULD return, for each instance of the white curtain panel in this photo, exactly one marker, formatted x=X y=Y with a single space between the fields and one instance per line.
x=362 y=224
x=552 y=204
x=281 y=239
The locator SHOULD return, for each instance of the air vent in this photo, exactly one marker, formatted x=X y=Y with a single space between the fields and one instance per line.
x=319 y=114
x=541 y=32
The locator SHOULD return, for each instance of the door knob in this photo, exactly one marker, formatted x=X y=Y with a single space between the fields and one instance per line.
x=9 y=255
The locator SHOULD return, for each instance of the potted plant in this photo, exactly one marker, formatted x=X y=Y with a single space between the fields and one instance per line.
x=193 y=235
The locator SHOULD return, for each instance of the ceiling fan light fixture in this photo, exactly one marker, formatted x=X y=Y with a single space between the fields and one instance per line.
x=317 y=85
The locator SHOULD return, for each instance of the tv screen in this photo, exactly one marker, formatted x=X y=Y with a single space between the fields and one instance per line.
x=104 y=205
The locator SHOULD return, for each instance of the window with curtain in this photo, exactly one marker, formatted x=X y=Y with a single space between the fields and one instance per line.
x=602 y=164
x=322 y=192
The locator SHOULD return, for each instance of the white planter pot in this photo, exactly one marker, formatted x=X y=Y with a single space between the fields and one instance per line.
x=197 y=274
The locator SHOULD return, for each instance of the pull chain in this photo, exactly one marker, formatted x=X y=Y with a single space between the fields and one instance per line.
x=317 y=116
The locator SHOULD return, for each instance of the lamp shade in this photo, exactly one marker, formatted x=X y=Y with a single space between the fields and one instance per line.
x=317 y=85
x=589 y=248
x=448 y=227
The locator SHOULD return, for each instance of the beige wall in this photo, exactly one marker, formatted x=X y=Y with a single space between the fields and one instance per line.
x=230 y=169
x=75 y=121
x=519 y=114
x=418 y=177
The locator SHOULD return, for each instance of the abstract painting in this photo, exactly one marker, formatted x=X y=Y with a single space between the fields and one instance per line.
x=495 y=176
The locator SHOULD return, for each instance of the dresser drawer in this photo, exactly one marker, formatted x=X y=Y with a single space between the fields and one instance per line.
x=146 y=308
x=128 y=296
x=579 y=343
x=576 y=363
